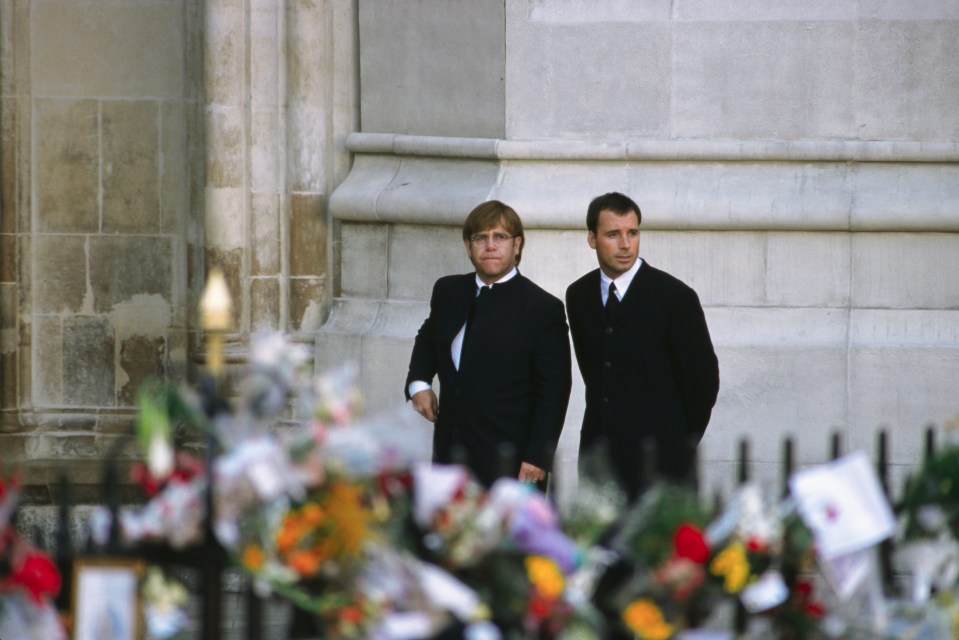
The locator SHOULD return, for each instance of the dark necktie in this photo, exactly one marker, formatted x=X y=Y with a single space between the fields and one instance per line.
x=612 y=302
x=484 y=294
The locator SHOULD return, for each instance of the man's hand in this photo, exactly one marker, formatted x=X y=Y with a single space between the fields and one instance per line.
x=426 y=405
x=530 y=473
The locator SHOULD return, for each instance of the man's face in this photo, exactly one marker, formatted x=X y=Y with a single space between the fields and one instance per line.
x=616 y=242
x=493 y=252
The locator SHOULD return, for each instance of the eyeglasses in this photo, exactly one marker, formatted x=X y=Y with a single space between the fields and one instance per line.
x=498 y=239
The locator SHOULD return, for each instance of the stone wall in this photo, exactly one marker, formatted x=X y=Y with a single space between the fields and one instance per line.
x=144 y=141
x=99 y=133
x=797 y=165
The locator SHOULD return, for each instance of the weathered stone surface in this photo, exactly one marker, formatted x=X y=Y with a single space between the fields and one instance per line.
x=309 y=141
x=225 y=54
x=89 y=372
x=8 y=258
x=48 y=351
x=116 y=49
x=265 y=304
x=62 y=274
x=140 y=358
x=307 y=235
x=265 y=157
x=266 y=235
x=306 y=303
x=418 y=255
x=67 y=151
x=454 y=86
x=226 y=154
x=904 y=271
x=122 y=267
x=174 y=167
x=130 y=172
x=365 y=259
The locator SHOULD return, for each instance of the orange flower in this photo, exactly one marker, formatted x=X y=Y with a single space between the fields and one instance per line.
x=545 y=576
x=645 y=619
x=253 y=557
x=305 y=563
x=345 y=507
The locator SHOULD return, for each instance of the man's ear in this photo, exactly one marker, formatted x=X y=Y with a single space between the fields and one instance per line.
x=591 y=239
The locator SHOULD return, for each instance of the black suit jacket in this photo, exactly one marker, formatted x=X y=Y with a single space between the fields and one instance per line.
x=651 y=372
x=514 y=378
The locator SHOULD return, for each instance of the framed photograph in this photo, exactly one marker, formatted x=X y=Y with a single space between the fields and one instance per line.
x=106 y=598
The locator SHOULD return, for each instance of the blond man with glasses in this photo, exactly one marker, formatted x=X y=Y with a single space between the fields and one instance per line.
x=499 y=345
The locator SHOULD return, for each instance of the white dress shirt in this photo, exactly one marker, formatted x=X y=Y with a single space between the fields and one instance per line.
x=622 y=282
x=456 y=348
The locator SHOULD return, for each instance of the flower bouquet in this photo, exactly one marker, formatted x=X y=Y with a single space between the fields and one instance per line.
x=29 y=579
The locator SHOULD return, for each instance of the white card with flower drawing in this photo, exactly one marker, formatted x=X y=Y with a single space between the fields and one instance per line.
x=843 y=504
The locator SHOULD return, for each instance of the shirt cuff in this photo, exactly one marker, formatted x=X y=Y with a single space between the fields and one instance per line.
x=416 y=386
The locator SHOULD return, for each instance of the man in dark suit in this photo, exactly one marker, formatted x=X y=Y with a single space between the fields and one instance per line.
x=643 y=348
x=500 y=346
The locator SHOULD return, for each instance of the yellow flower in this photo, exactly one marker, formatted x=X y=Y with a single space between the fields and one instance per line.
x=253 y=557
x=345 y=507
x=731 y=564
x=545 y=576
x=645 y=619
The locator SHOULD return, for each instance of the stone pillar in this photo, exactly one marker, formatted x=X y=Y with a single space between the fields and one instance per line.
x=280 y=100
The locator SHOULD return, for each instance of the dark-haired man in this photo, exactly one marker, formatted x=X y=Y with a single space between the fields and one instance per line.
x=643 y=348
x=500 y=346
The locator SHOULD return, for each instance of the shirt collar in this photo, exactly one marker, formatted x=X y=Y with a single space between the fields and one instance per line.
x=622 y=282
x=509 y=276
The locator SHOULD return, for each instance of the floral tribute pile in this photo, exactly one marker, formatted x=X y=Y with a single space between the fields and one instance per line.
x=29 y=579
x=341 y=516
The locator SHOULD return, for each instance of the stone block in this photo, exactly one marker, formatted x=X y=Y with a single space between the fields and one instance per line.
x=8 y=155
x=8 y=258
x=89 y=352
x=266 y=235
x=917 y=10
x=61 y=275
x=309 y=149
x=223 y=220
x=108 y=49
x=140 y=358
x=231 y=262
x=264 y=304
x=8 y=382
x=365 y=260
x=431 y=69
x=632 y=67
x=265 y=150
x=175 y=166
x=340 y=339
x=308 y=299
x=129 y=176
x=554 y=259
x=383 y=371
x=418 y=255
x=307 y=235
x=904 y=197
x=903 y=367
x=807 y=269
x=759 y=11
x=904 y=91
x=122 y=267
x=308 y=79
x=904 y=270
x=782 y=372
x=226 y=140
x=67 y=160
x=753 y=80
x=724 y=268
x=225 y=53
x=265 y=46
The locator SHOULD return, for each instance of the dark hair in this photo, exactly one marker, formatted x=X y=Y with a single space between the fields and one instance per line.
x=614 y=201
x=491 y=213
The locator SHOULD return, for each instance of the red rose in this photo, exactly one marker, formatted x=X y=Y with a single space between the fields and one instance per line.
x=690 y=544
x=38 y=575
